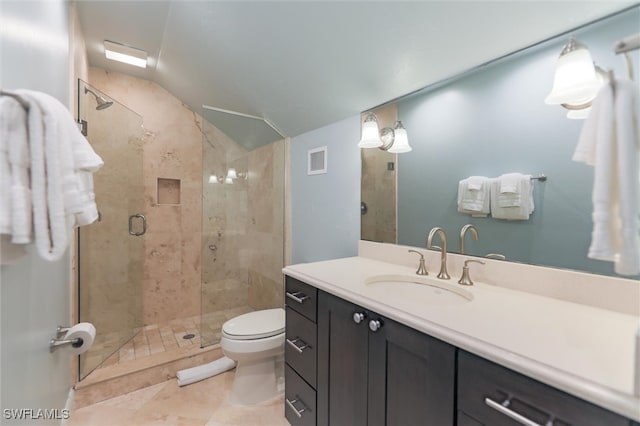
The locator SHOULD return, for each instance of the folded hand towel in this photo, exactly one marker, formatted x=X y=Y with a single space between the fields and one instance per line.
x=610 y=141
x=517 y=204
x=473 y=196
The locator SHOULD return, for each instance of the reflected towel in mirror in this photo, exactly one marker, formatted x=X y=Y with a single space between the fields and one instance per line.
x=474 y=196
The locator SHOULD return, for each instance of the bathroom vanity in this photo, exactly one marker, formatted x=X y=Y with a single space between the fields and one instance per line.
x=368 y=350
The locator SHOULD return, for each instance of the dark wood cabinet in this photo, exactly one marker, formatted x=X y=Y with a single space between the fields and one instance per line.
x=493 y=395
x=374 y=371
x=349 y=366
x=300 y=353
x=343 y=358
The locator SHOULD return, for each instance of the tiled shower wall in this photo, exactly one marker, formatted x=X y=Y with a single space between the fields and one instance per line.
x=172 y=149
x=243 y=226
x=243 y=223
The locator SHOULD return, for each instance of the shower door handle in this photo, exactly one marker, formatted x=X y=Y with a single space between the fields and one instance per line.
x=144 y=224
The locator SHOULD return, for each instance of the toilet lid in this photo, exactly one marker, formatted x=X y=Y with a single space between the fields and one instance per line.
x=255 y=325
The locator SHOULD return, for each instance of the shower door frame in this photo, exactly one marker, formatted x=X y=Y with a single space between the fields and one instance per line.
x=132 y=233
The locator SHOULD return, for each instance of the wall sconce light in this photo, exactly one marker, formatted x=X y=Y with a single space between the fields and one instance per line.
x=370 y=133
x=214 y=179
x=576 y=81
x=393 y=140
x=233 y=174
x=399 y=141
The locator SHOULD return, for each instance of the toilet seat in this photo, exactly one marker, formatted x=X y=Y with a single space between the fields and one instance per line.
x=255 y=325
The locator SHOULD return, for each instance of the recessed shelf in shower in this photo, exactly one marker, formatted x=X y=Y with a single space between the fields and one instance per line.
x=168 y=191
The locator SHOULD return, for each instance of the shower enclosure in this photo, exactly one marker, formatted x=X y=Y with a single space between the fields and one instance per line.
x=242 y=219
x=242 y=239
x=111 y=249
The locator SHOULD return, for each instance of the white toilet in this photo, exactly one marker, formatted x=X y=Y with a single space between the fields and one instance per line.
x=256 y=342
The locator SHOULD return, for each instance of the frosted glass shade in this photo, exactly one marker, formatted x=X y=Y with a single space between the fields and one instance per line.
x=575 y=80
x=370 y=133
x=231 y=174
x=213 y=179
x=400 y=141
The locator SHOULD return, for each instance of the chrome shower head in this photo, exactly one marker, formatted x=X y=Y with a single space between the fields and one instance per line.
x=102 y=102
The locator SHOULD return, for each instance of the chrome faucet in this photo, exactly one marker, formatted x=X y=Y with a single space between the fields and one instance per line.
x=463 y=231
x=422 y=269
x=443 y=274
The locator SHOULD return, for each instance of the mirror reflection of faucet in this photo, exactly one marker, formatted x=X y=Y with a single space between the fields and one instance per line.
x=496 y=256
x=463 y=231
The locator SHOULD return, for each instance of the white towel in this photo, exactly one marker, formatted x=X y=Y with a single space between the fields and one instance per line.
x=474 y=195
x=512 y=197
x=15 y=213
x=610 y=141
x=509 y=195
x=59 y=188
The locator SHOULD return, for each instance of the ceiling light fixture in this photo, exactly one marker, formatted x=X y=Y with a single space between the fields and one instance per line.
x=128 y=55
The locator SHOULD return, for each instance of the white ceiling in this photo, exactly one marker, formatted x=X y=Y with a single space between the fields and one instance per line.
x=305 y=64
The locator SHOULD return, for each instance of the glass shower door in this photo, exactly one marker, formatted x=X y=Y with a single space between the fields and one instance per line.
x=111 y=250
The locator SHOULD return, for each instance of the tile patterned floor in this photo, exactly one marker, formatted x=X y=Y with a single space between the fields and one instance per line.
x=156 y=338
x=200 y=404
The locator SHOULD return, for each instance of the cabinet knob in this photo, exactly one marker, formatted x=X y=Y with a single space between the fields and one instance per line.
x=375 y=325
x=358 y=317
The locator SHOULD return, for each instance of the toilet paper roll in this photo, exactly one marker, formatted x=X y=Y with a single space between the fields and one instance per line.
x=84 y=331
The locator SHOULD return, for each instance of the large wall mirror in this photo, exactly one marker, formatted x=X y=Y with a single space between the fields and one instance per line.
x=490 y=121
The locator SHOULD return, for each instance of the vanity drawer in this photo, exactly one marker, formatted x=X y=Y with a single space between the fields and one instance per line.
x=301 y=297
x=464 y=420
x=300 y=347
x=300 y=400
x=484 y=386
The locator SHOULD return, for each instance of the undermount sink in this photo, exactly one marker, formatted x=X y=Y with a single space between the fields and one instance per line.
x=422 y=289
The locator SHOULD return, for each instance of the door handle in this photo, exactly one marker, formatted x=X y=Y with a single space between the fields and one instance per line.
x=144 y=224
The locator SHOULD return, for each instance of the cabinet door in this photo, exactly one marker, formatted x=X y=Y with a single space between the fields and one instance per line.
x=411 y=377
x=342 y=363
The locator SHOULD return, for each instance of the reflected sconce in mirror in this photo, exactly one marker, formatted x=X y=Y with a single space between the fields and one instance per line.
x=233 y=174
x=577 y=80
x=393 y=140
x=399 y=140
x=370 y=133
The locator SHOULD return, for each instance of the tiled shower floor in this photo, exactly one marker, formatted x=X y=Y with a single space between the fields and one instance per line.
x=157 y=338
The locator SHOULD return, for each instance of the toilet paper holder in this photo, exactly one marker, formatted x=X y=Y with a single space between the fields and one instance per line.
x=58 y=342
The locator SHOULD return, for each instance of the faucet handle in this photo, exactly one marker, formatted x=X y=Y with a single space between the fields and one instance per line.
x=422 y=269
x=465 y=279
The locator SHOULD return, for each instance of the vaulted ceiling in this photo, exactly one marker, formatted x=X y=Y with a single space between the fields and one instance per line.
x=305 y=64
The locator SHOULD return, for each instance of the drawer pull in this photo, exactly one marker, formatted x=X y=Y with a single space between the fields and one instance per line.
x=504 y=409
x=298 y=349
x=298 y=296
x=293 y=407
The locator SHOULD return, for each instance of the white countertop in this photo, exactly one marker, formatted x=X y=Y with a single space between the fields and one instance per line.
x=585 y=351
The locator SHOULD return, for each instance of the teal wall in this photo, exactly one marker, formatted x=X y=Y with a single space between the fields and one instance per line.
x=494 y=121
x=35 y=294
x=325 y=213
